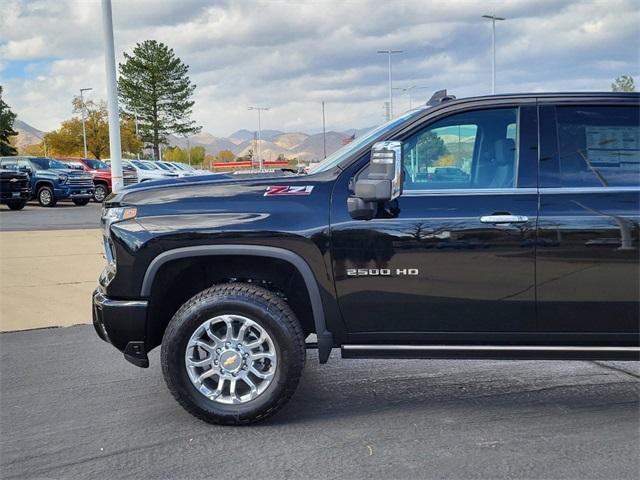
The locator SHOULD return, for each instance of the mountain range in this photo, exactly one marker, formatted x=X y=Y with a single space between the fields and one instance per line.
x=273 y=143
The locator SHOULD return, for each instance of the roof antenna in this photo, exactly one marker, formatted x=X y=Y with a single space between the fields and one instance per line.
x=439 y=97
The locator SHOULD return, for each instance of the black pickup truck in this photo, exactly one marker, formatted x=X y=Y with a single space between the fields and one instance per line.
x=530 y=251
x=14 y=188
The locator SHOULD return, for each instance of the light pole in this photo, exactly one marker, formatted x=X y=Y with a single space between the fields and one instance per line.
x=409 y=92
x=188 y=149
x=493 y=19
x=259 y=109
x=135 y=116
x=84 y=131
x=324 y=134
x=390 y=53
x=112 y=98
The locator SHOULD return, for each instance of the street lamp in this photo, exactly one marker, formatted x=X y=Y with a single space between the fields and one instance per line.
x=389 y=53
x=409 y=92
x=259 y=109
x=84 y=131
x=135 y=116
x=493 y=19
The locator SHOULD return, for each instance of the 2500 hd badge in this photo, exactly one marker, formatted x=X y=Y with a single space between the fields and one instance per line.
x=381 y=272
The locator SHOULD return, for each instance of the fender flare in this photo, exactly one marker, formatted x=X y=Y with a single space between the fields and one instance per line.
x=325 y=338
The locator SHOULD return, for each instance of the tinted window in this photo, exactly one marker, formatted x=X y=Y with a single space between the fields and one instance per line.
x=468 y=150
x=42 y=163
x=597 y=147
x=96 y=164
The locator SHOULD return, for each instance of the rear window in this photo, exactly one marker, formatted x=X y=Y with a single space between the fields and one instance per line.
x=597 y=147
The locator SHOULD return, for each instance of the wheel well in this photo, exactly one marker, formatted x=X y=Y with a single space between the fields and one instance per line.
x=101 y=182
x=178 y=280
x=42 y=183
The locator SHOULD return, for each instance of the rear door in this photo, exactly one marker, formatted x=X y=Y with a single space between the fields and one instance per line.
x=587 y=266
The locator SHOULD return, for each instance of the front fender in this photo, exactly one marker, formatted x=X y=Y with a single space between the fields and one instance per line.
x=325 y=338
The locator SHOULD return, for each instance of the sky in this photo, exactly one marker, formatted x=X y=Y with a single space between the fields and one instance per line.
x=292 y=55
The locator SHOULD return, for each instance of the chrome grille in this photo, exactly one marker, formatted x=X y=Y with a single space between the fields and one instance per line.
x=14 y=186
x=80 y=180
x=130 y=179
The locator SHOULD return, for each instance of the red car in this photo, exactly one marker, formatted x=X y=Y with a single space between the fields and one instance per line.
x=101 y=174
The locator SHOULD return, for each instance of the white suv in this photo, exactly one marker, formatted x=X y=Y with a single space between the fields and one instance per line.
x=147 y=171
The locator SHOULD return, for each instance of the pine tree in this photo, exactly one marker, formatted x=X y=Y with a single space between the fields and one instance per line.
x=7 y=117
x=154 y=86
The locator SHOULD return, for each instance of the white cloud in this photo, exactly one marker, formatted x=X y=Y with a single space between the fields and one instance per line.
x=291 y=55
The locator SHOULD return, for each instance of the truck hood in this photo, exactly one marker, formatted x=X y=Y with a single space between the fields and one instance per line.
x=201 y=188
x=9 y=174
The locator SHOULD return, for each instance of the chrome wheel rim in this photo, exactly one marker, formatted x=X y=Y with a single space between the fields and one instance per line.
x=231 y=359
x=45 y=196
x=99 y=194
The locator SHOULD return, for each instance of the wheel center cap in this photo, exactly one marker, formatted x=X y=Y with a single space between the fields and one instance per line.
x=230 y=361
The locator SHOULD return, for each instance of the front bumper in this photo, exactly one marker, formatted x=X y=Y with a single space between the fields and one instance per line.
x=75 y=192
x=122 y=323
x=19 y=195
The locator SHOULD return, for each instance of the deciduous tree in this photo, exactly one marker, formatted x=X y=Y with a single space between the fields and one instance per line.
x=624 y=83
x=225 y=156
x=67 y=140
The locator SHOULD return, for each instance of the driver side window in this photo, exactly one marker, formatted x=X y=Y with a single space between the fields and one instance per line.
x=464 y=151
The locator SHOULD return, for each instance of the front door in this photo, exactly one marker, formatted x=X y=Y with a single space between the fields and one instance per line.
x=455 y=254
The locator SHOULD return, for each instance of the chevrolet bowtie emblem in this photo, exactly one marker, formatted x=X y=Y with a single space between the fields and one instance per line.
x=229 y=361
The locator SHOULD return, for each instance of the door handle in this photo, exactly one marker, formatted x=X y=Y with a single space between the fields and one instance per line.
x=504 y=218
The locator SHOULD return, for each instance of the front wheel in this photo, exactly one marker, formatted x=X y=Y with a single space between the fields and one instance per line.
x=233 y=354
x=81 y=202
x=46 y=198
x=100 y=193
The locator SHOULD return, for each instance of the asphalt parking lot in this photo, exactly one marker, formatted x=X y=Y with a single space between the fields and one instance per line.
x=65 y=215
x=73 y=408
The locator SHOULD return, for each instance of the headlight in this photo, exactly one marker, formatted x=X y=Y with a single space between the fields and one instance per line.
x=63 y=178
x=116 y=214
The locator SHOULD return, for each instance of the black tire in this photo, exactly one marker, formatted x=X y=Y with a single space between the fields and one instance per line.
x=261 y=306
x=81 y=202
x=16 y=205
x=46 y=198
x=100 y=193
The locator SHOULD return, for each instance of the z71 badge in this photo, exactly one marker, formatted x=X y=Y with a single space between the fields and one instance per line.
x=289 y=190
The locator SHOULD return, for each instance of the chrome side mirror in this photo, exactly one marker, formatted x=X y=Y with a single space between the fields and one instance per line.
x=383 y=182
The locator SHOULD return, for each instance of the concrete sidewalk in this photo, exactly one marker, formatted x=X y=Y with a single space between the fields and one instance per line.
x=46 y=277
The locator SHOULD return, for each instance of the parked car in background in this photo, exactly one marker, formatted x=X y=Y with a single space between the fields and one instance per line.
x=155 y=165
x=51 y=180
x=101 y=172
x=449 y=174
x=172 y=167
x=146 y=172
x=189 y=168
x=15 y=190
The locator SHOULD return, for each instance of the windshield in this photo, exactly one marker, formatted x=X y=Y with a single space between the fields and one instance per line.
x=340 y=155
x=142 y=166
x=164 y=166
x=41 y=163
x=96 y=164
x=152 y=165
